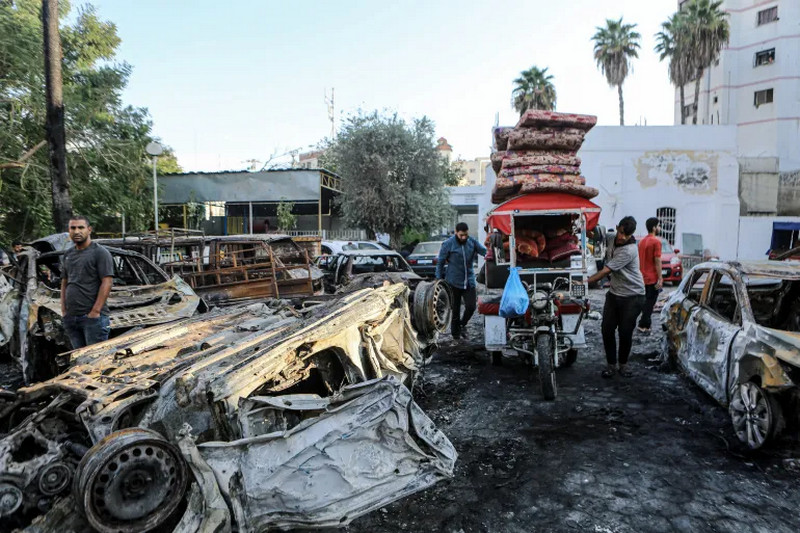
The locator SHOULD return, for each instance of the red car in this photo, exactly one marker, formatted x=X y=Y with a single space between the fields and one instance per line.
x=671 y=264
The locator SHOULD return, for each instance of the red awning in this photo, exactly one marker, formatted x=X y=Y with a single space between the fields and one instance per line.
x=500 y=216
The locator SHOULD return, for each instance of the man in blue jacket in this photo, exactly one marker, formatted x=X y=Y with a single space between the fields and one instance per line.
x=457 y=254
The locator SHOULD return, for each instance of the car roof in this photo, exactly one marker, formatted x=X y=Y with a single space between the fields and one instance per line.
x=771 y=269
x=370 y=252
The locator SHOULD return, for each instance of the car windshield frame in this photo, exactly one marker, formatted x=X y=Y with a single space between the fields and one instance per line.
x=418 y=251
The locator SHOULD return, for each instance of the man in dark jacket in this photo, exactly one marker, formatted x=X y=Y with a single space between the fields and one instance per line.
x=457 y=254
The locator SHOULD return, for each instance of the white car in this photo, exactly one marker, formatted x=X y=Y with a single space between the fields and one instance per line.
x=337 y=247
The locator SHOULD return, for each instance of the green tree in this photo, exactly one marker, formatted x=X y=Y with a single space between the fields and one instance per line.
x=287 y=220
x=533 y=89
x=614 y=47
x=393 y=177
x=167 y=163
x=672 y=44
x=707 y=32
x=109 y=170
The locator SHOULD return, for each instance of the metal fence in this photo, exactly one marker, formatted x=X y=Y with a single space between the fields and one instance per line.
x=690 y=261
x=333 y=235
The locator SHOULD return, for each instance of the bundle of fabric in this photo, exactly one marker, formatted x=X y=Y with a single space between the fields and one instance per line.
x=539 y=155
x=549 y=138
x=527 y=248
x=523 y=158
x=535 y=118
x=509 y=186
x=562 y=246
x=501 y=138
x=497 y=161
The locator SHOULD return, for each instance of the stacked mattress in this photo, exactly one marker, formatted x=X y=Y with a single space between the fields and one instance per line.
x=540 y=155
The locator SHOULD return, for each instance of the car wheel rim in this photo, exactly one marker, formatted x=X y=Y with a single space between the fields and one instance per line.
x=751 y=415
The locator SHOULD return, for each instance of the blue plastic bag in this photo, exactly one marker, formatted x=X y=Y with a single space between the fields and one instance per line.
x=515 y=298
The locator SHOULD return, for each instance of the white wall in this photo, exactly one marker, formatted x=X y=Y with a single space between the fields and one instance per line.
x=690 y=168
x=755 y=236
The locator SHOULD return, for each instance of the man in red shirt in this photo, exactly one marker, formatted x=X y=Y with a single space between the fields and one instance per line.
x=650 y=265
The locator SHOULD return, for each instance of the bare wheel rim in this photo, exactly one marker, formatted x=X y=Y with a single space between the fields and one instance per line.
x=441 y=307
x=132 y=480
x=751 y=414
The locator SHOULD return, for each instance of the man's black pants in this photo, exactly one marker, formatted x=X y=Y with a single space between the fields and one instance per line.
x=470 y=297
x=650 y=297
x=620 y=313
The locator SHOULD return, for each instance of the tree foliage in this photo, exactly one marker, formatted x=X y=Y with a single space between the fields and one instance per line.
x=108 y=167
x=533 y=89
x=693 y=39
x=614 y=47
x=287 y=220
x=393 y=177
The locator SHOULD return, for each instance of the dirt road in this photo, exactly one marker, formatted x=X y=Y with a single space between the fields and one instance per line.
x=650 y=453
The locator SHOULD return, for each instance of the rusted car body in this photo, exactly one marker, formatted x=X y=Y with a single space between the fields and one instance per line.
x=31 y=327
x=225 y=270
x=735 y=329
x=247 y=418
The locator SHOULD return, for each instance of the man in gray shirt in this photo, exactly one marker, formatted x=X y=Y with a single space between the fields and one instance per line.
x=625 y=299
x=87 y=272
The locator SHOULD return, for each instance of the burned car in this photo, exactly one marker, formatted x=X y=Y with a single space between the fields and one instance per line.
x=244 y=418
x=735 y=329
x=229 y=269
x=31 y=328
x=359 y=267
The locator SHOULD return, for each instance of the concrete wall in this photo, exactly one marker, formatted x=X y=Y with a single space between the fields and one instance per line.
x=755 y=236
x=692 y=169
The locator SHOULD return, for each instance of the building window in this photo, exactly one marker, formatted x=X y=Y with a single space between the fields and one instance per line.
x=666 y=219
x=765 y=16
x=765 y=57
x=688 y=110
x=762 y=97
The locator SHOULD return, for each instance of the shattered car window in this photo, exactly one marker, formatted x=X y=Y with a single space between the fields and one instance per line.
x=368 y=264
x=775 y=302
x=694 y=287
x=722 y=299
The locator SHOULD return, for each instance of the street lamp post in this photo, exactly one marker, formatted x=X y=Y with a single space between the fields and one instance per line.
x=155 y=150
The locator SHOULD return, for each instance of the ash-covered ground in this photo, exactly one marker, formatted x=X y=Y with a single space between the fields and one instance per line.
x=651 y=453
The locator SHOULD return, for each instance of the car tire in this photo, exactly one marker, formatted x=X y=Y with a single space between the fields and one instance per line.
x=755 y=414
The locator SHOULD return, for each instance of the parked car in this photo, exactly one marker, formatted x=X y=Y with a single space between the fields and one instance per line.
x=424 y=257
x=735 y=329
x=30 y=303
x=337 y=247
x=671 y=264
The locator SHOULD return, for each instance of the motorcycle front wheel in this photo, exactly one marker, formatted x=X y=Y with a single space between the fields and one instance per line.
x=546 y=352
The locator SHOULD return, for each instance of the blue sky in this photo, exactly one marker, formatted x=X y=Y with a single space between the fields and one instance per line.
x=230 y=81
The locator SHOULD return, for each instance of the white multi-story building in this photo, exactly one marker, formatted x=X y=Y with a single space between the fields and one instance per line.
x=755 y=85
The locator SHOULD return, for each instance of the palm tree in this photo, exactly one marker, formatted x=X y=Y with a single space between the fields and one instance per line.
x=707 y=32
x=614 y=46
x=533 y=90
x=671 y=42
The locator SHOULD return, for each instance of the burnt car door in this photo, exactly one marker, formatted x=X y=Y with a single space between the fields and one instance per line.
x=711 y=331
x=680 y=312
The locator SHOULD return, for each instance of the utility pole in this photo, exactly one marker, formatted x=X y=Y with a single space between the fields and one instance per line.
x=54 y=123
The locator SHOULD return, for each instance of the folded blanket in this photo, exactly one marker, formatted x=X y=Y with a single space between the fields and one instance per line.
x=534 y=235
x=507 y=191
x=539 y=169
x=527 y=246
x=562 y=250
x=497 y=161
x=513 y=159
x=501 y=137
x=546 y=138
x=540 y=177
x=538 y=117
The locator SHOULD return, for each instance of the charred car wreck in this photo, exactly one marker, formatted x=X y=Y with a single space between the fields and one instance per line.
x=31 y=327
x=735 y=329
x=244 y=418
x=225 y=270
